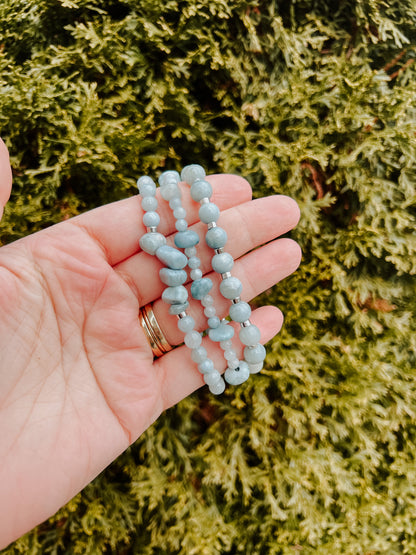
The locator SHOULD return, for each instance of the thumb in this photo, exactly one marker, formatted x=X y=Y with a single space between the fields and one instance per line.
x=5 y=176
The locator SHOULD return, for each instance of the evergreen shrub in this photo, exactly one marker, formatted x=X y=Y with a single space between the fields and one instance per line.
x=310 y=98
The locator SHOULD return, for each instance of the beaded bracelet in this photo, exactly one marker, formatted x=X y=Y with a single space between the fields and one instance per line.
x=174 y=276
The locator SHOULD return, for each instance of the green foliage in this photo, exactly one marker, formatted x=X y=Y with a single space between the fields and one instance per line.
x=310 y=98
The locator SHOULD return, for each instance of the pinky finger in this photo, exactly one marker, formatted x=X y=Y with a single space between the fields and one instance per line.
x=179 y=374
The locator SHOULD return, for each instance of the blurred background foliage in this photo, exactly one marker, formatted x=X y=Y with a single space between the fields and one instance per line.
x=310 y=98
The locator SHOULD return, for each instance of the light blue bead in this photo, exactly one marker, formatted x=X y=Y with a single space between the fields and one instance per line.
x=255 y=368
x=170 y=190
x=193 y=339
x=199 y=354
x=213 y=322
x=231 y=287
x=240 y=312
x=200 y=288
x=151 y=219
x=212 y=377
x=186 y=324
x=192 y=172
x=206 y=366
x=179 y=213
x=216 y=237
x=175 y=295
x=255 y=354
x=171 y=257
x=201 y=189
x=184 y=239
x=239 y=375
x=181 y=225
x=146 y=183
x=175 y=202
x=222 y=333
x=209 y=213
x=194 y=262
x=222 y=262
x=148 y=190
x=172 y=277
x=151 y=242
x=250 y=335
x=217 y=388
x=176 y=309
x=168 y=176
x=149 y=204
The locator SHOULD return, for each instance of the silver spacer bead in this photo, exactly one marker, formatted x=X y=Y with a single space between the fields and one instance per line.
x=152 y=229
x=204 y=200
x=236 y=300
x=182 y=315
x=245 y=324
x=219 y=251
x=226 y=275
x=211 y=225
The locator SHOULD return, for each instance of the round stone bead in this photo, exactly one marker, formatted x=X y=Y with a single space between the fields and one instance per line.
x=149 y=204
x=193 y=339
x=199 y=354
x=255 y=354
x=250 y=335
x=213 y=322
x=170 y=190
x=175 y=295
x=192 y=172
x=230 y=354
x=179 y=213
x=194 y=262
x=212 y=378
x=181 y=225
x=255 y=368
x=146 y=182
x=148 y=190
x=200 y=288
x=231 y=287
x=233 y=363
x=169 y=176
x=216 y=237
x=176 y=309
x=217 y=388
x=151 y=219
x=171 y=257
x=210 y=311
x=206 y=366
x=190 y=252
x=186 y=324
x=209 y=213
x=175 y=202
x=184 y=239
x=223 y=332
x=201 y=189
x=222 y=262
x=237 y=375
x=240 y=312
x=208 y=300
x=172 y=277
x=151 y=242
x=196 y=274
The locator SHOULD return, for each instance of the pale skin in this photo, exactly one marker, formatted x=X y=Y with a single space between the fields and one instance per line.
x=78 y=383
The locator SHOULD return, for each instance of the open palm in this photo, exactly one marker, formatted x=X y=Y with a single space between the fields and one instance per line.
x=77 y=379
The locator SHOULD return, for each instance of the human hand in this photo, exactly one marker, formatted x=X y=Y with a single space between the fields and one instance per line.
x=5 y=177
x=78 y=383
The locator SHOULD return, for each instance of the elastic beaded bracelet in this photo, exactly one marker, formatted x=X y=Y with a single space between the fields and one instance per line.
x=174 y=276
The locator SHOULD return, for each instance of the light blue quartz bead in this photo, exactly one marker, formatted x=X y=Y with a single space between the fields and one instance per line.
x=169 y=176
x=151 y=242
x=172 y=277
x=222 y=262
x=151 y=219
x=192 y=172
x=213 y=322
x=209 y=213
x=221 y=333
x=231 y=287
x=194 y=262
x=193 y=339
x=185 y=324
x=185 y=239
x=149 y=204
x=253 y=355
x=216 y=237
x=206 y=366
x=175 y=295
x=249 y=335
x=146 y=183
x=211 y=378
x=181 y=224
x=237 y=375
x=170 y=190
x=201 y=189
x=199 y=354
x=256 y=367
x=200 y=288
x=171 y=257
x=218 y=387
x=240 y=312
x=176 y=309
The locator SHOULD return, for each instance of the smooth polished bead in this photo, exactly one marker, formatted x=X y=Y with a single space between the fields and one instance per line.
x=170 y=190
x=212 y=378
x=151 y=242
x=217 y=388
x=233 y=363
x=181 y=225
x=222 y=333
x=228 y=344
x=193 y=339
x=200 y=288
x=190 y=251
x=167 y=176
x=172 y=277
x=231 y=287
x=186 y=324
x=175 y=295
x=208 y=300
x=175 y=202
x=201 y=189
x=146 y=182
x=148 y=190
x=210 y=311
x=176 y=309
x=255 y=368
x=151 y=219
x=192 y=172
x=213 y=322
x=237 y=375
x=171 y=257
x=149 y=204
x=194 y=262
x=229 y=354
x=216 y=237
x=255 y=354
x=199 y=354
x=250 y=335
x=222 y=262
x=240 y=312
x=196 y=274
x=209 y=213
x=206 y=366
x=184 y=239
x=179 y=213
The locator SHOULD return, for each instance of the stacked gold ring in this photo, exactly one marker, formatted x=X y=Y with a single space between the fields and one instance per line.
x=158 y=342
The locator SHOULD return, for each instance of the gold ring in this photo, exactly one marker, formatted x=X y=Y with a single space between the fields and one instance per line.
x=154 y=334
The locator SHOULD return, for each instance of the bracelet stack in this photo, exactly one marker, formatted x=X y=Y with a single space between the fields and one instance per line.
x=174 y=276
